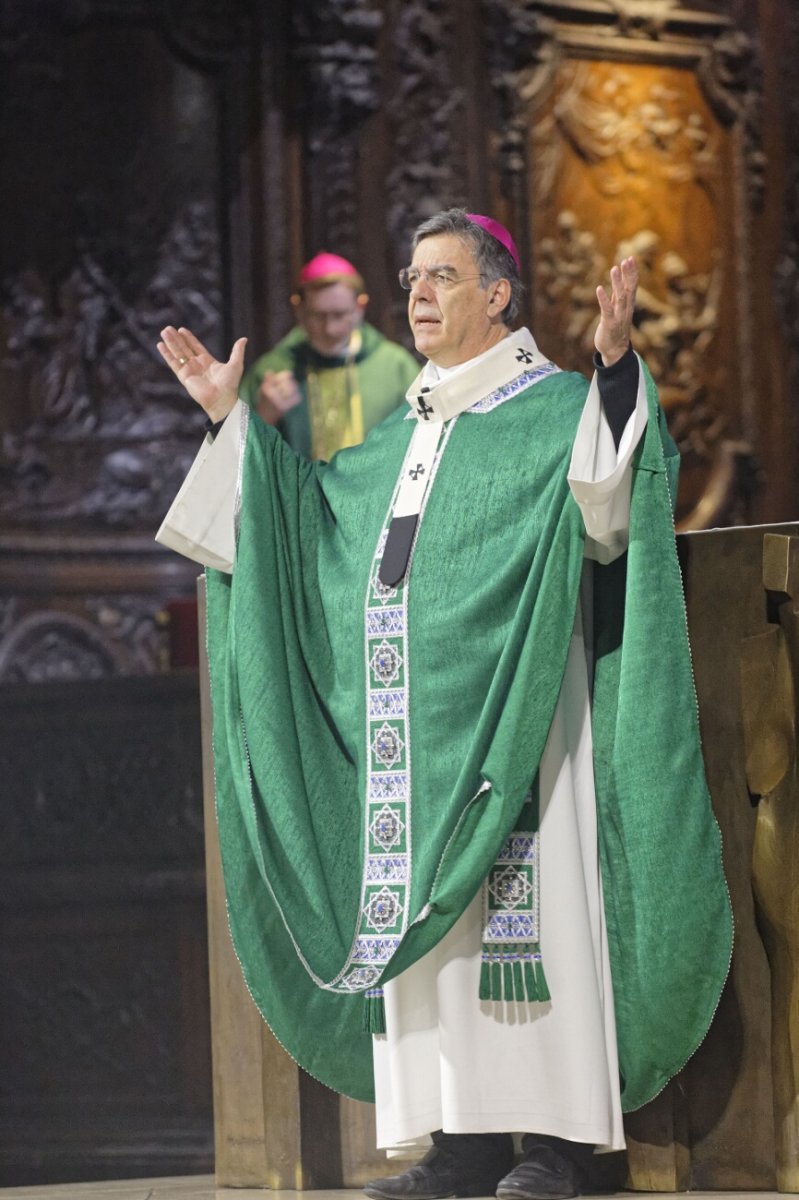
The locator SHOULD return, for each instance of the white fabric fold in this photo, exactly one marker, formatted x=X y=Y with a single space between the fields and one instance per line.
x=418 y=469
x=452 y=1062
x=600 y=476
x=201 y=522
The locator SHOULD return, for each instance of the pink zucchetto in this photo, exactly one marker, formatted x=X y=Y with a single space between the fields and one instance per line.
x=324 y=269
x=500 y=233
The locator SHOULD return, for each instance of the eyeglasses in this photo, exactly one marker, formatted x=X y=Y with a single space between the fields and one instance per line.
x=441 y=279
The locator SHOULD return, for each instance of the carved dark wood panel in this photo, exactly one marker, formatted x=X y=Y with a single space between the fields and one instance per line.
x=334 y=52
x=425 y=122
x=778 y=415
x=89 y=606
x=115 y=233
x=121 y=143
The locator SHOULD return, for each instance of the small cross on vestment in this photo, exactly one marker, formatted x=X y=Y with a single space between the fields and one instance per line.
x=416 y=471
x=524 y=356
x=424 y=409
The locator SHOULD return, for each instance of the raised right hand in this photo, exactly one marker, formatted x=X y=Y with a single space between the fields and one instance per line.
x=213 y=384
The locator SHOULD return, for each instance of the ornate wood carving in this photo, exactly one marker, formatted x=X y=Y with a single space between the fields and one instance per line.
x=787 y=273
x=523 y=57
x=334 y=51
x=618 y=142
x=334 y=46
x=101 y=403
x=425 y=110
x=115 y=232
x=48 y=646
x=606 y=23
x=732 y=77
x=601 y=119
x=527 y=35
x=118 y=635
x=88 y=607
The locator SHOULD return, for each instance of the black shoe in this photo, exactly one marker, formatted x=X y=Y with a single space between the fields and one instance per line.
x=550 y=1170
x=457 y=1164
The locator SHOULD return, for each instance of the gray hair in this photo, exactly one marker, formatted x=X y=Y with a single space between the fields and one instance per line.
x=493 y=260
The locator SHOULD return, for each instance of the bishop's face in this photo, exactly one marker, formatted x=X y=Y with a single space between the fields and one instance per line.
x=329 y=315
x=453 y=317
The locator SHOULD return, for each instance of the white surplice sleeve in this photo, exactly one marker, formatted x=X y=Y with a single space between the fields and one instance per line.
x=600 y=476
x=201 y=523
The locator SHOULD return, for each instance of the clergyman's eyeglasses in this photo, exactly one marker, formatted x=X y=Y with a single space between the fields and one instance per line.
x=439 y=278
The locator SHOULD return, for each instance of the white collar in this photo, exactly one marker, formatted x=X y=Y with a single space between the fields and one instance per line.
x=433 y=373
x=434 y=398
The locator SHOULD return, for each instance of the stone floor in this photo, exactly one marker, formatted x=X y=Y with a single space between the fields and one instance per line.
x=201 y=1187
x=193 y=1187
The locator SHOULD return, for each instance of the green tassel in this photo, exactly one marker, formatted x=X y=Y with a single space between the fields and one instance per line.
x=513 y=972
x=485 y=979
x=542 y=989
x=507 y=981
x=374 y=1011
x=518 y=984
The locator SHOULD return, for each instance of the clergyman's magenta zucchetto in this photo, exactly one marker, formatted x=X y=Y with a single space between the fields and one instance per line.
x=326 y=266
x=499 y=232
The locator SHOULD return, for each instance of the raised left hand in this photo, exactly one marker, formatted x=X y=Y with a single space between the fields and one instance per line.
x=613 y=332
x=213 y=384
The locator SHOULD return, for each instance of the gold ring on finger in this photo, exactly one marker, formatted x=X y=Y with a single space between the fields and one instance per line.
x=183 y=361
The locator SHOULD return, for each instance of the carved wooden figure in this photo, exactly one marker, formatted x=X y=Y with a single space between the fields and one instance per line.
x=769 y=669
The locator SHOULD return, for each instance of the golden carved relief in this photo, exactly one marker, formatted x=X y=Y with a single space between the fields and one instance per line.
x=629 y=159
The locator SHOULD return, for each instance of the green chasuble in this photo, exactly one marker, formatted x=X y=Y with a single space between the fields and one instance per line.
x=374 y=745
x=379 y=374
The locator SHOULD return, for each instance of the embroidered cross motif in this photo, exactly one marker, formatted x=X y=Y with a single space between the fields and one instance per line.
x=524 y=356
x=386 y=662
x=383 y=909
x=424 y=409
x=387 y=827
x=416 y=471
x=510 y=887
x=387 y=745
x=360 y=978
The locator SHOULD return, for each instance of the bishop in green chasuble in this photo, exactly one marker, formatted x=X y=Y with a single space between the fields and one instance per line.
x=374 y=746
x=380 y=729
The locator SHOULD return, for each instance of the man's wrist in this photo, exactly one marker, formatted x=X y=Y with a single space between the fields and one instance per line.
x=218 y=411
x=215 y=419
x=608 y=361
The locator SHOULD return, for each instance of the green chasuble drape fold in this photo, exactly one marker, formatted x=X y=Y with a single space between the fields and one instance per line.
x=486 y=618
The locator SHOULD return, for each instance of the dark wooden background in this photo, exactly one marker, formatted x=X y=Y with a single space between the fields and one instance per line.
x=177 y=162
